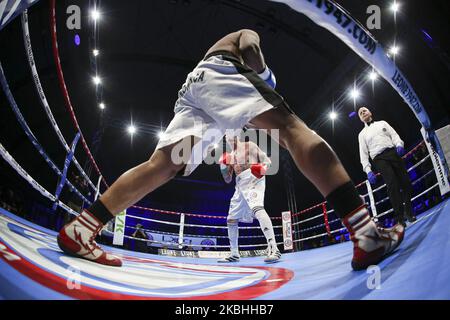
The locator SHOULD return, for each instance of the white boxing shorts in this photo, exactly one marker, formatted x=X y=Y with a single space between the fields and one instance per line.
x=219 y=94
x=248 y=197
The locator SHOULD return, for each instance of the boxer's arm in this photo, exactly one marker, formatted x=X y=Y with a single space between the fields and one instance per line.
x=251 y=50
x=225 y=168
x=260 y=155
x=227 y=173
x=264 y=159
x=364 y=154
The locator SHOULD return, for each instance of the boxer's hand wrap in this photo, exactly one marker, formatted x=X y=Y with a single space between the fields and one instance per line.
x=268 y=76
x=258 y=170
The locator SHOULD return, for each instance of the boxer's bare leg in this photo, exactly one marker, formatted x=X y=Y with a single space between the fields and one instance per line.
x=312 y=155
x=137 y=182
x=77 y=238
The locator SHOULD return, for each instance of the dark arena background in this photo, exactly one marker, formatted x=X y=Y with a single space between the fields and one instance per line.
x=88 y=88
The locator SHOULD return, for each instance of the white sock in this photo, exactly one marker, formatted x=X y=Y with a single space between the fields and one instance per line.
x=233 y=234
x=266 y=227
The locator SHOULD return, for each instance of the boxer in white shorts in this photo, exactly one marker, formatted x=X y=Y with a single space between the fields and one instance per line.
x=250 y=164
x=230 y=87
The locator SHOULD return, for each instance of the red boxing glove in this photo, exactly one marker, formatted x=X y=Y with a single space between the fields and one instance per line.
x=258 y=170
x=225 y=159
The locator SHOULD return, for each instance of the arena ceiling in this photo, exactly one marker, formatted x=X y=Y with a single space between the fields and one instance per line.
x=148 y=47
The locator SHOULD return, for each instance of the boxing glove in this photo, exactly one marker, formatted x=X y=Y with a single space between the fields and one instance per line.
x=225 y=159
x=258 y=170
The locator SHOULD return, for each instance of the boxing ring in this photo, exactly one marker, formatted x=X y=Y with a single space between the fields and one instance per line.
x=33 y=267
x=188 y=244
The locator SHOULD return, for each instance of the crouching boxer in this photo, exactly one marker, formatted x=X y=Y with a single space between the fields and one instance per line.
x=249 y=163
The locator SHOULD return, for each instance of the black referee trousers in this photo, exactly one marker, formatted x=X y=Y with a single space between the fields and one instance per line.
x=399 y=187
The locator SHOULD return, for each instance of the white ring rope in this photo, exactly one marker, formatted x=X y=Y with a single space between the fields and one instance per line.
x=412 y=168
x=43 y=98
x=199 y=236
x=13 y=163
x=192 y=225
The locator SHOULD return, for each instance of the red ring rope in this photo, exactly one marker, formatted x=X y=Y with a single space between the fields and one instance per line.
x=62 y=85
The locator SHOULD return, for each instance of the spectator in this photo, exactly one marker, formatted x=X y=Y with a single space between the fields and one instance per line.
x=139 y=233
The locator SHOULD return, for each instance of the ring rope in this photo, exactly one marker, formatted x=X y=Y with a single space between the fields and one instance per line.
x=191 y=225
x=13 y=163
x=43 y=98
x=199 y=245
x=405 y=156
x=197 y=236
x=30 y=134
x=63 y=87
x=195 y=215
x=410 y=169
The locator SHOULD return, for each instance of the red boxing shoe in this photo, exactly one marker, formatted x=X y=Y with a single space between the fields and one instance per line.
x=370 y=243
x=77 y=238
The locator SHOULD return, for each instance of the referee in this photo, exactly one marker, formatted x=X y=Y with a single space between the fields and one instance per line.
x=384 y=146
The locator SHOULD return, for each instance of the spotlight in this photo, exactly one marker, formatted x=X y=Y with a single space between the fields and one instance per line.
x=333 y=115
x=96 y=80
x=95 y=15
x=77 y=39
x=394 y=50
x=373 y=76
x=395 y=6
x=95 y=52
x=131 y=129
x=101 y=105
x=160 y=134
x=354 y=93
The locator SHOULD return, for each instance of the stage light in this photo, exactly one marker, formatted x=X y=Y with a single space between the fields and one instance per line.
x=373 y=76
x=95 y=14
x=131 y=129
x=394 y=50
x=77 y=39
x=95 y=52
x=333 y=115
x=354 y=94
x=160 y=134
x=395 y=6
x=352 y=114
x=102 y=105
x=96 y=80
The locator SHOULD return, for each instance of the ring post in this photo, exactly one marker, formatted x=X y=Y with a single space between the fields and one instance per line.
x=119 y=228
x=97 y=190
x=288 y=242
x=372 y=201
x=439 y=167
x=181 y=232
